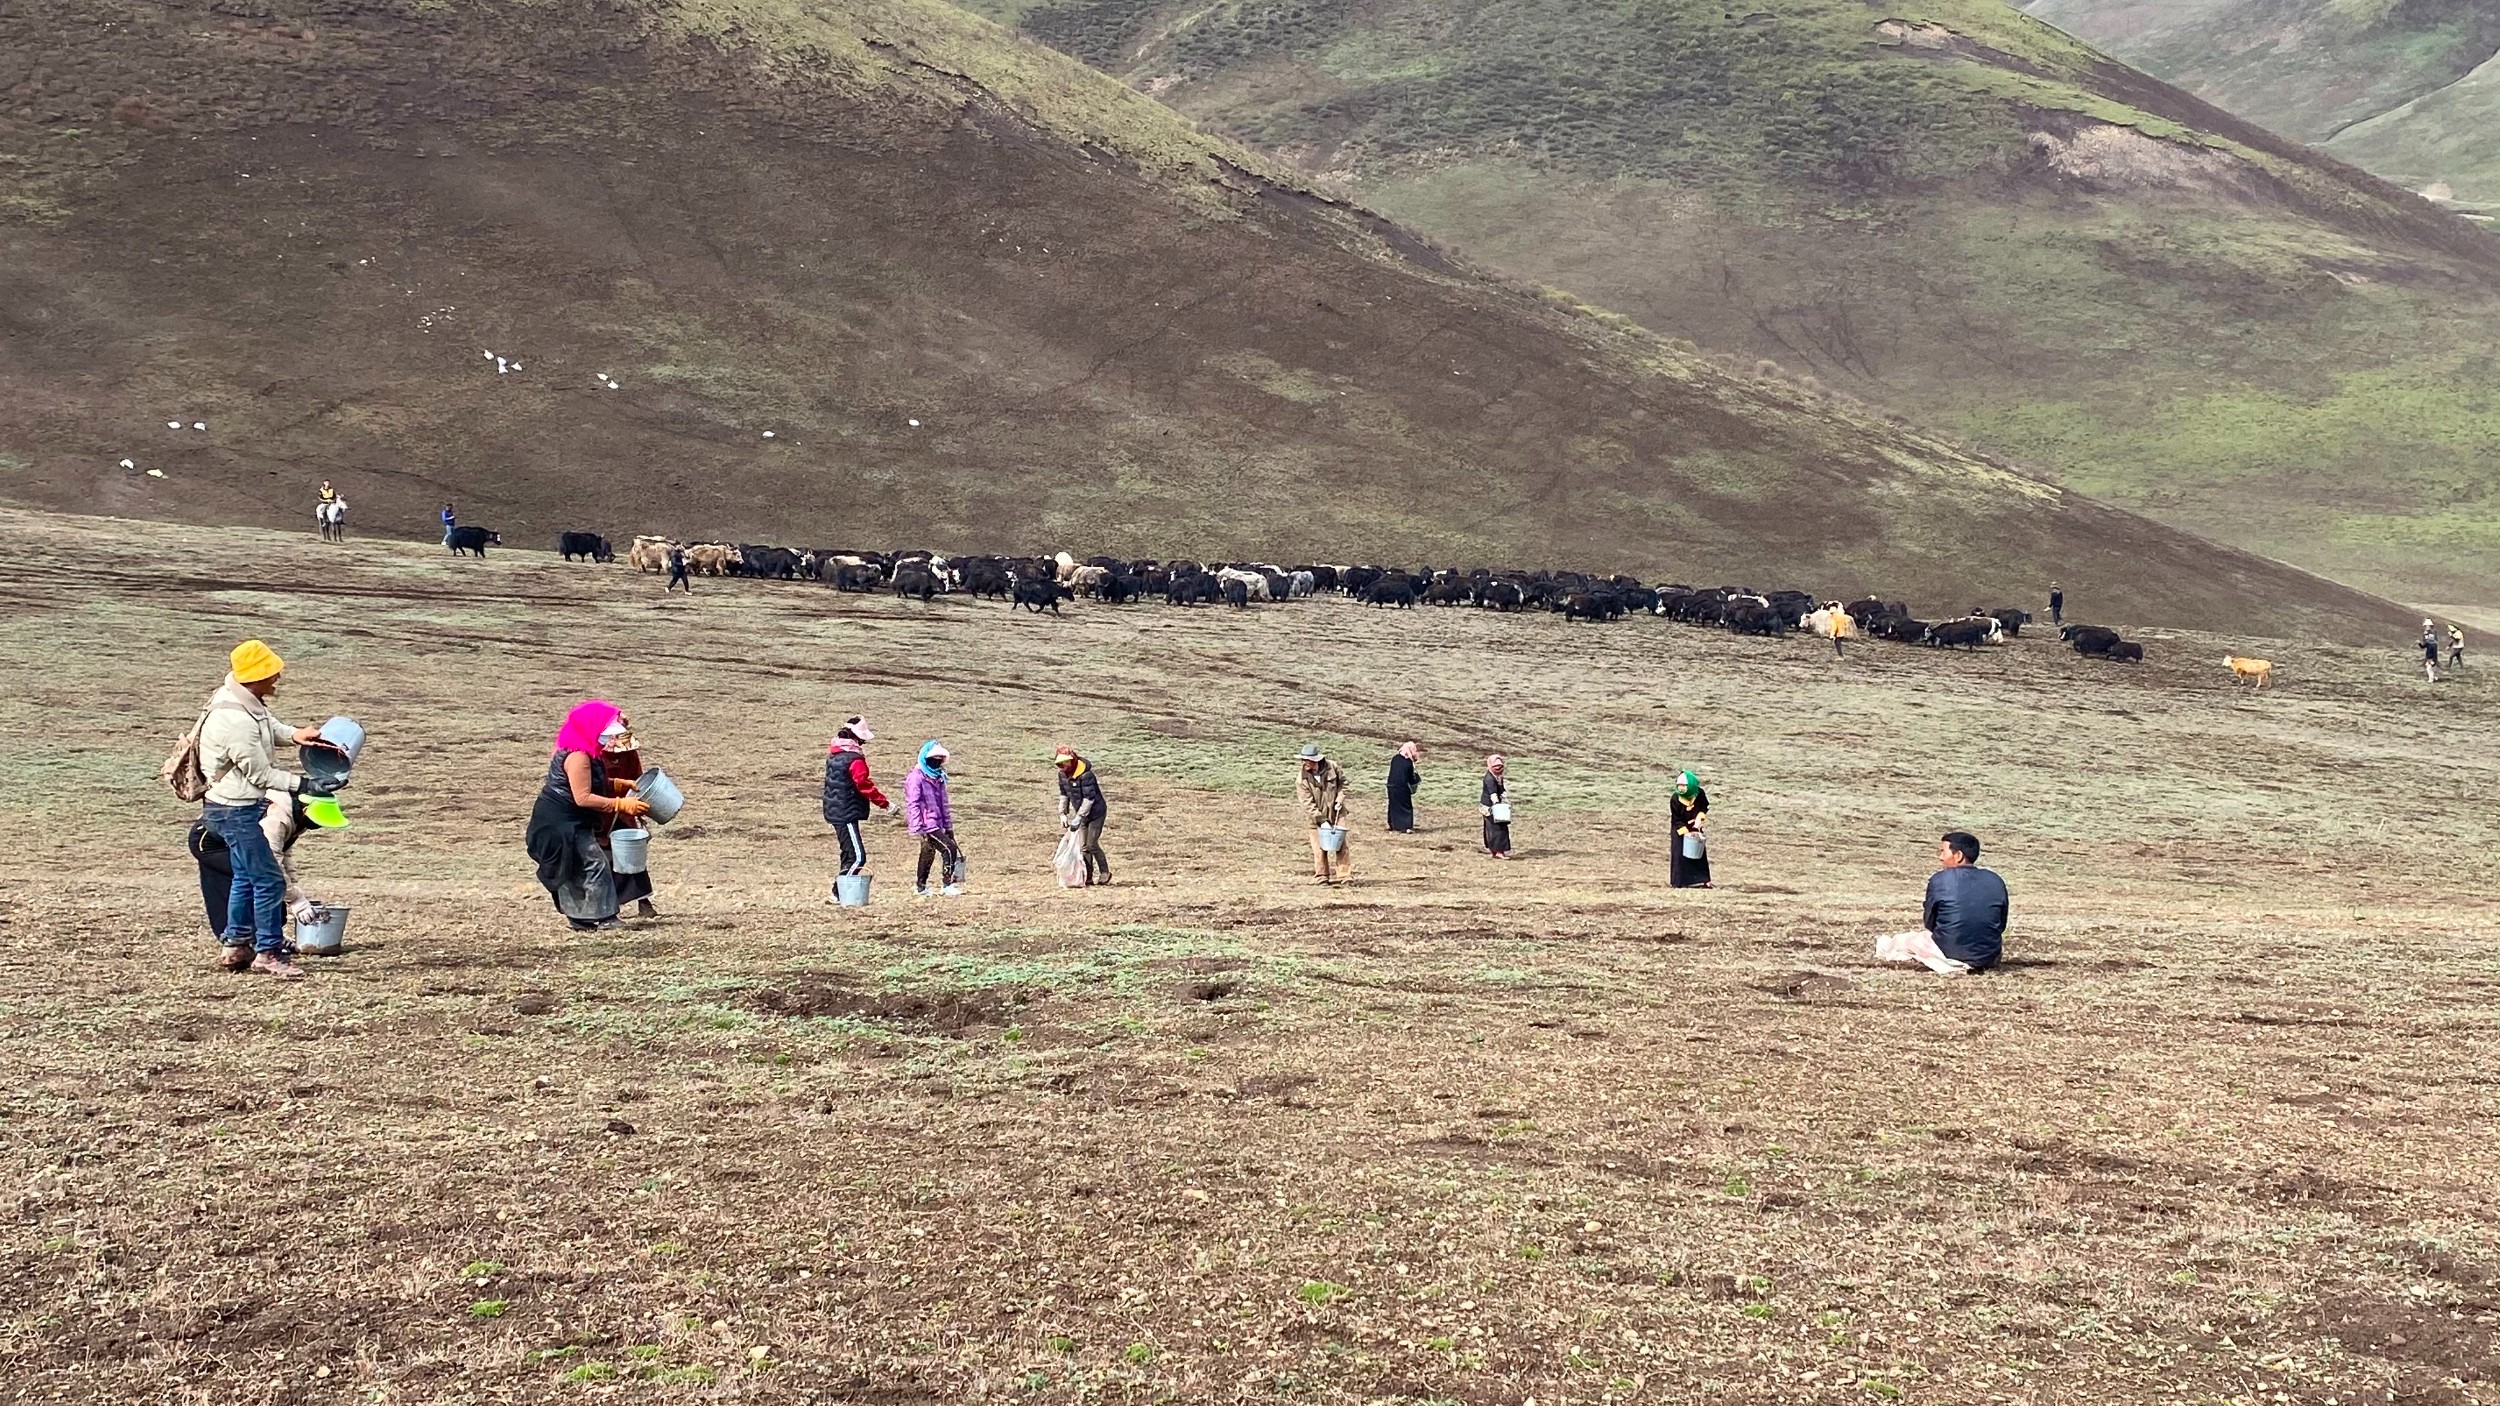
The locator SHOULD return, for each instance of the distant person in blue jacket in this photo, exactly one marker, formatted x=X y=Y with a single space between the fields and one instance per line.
x=1965 y=919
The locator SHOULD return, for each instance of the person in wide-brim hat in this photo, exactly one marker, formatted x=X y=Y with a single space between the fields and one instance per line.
x=1321 y=789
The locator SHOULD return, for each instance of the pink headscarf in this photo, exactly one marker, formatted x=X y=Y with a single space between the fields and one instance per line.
x=1495 y=762
x=582 y=726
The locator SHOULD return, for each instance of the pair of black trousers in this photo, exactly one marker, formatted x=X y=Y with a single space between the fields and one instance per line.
x=939 y=848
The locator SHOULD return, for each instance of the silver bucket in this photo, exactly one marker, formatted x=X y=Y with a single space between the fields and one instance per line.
x=1331 y=838
x=1695 y=847
x=321 y=933
x=851 y=890
x=330 y=760
x=629 y=851
x=661 y=794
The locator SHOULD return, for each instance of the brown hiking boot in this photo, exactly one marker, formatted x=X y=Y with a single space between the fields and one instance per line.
x=279 y=967
x=235 y=959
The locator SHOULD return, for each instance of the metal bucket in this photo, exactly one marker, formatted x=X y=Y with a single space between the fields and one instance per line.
x=321 y=934
x=629 y=851
x=851 y=890
x=1331 y=838
x=1694 y=847
x=661 y=794
x=330 y=760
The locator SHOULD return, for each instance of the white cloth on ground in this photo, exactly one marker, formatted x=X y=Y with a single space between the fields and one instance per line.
x=1918 y=945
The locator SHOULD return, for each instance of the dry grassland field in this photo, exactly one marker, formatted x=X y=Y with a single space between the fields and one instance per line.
x=2220 y=1130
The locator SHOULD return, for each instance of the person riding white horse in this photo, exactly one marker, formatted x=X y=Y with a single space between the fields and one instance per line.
x=331 y=515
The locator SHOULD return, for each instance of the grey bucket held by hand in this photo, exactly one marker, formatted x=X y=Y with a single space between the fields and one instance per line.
x=321 y=933
x=661 y=794
x=630 y=851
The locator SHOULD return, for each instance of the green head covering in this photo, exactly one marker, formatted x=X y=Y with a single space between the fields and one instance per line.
x=1687 y=785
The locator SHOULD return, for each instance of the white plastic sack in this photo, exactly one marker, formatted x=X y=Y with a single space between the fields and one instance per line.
x=1070 y=861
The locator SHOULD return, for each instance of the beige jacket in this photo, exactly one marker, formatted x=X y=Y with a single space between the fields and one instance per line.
x=1322 y=793
x=239 y=748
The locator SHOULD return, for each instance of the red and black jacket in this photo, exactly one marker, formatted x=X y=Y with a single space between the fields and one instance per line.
x=848 y=792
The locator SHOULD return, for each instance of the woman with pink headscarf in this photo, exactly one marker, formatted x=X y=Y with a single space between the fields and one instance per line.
x=1496 y=807
x=575 y=805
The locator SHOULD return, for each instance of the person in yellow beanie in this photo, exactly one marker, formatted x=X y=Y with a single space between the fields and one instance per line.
x=239 y=742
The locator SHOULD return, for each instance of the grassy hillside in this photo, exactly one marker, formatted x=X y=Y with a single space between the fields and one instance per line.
x=1953 y=209
x=874 y=272
x=2407 y=89
x=2447 y=141
x=2305 y=68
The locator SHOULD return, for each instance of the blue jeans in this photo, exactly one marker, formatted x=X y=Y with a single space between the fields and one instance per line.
x=256 y=905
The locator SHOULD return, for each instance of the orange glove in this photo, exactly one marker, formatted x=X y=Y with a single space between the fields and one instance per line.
x=632 y=807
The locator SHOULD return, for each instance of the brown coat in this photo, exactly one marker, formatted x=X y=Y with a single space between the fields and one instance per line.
x=1321 y=789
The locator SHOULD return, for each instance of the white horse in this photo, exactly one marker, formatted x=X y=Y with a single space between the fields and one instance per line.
x=332 y=517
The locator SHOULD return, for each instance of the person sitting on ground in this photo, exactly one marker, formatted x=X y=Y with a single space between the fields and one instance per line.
x=1321 y=789
x=239 y=740
x=929 y=814
x=1403 y=782
x=1081 y=810
x=1965 y=917
x=849 y=792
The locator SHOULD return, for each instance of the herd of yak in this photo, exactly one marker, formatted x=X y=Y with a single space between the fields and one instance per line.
x=1042 y=583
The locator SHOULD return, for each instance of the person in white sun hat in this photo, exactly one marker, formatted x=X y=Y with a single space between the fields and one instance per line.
x=850 y=793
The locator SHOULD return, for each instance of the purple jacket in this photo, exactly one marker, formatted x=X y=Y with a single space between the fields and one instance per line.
x=925 y=811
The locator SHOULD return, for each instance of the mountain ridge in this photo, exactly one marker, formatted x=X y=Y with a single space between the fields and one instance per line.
x=977 y=296
x=1955 y=209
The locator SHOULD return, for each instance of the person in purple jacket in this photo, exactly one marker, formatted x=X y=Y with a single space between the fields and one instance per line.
x=927 y=814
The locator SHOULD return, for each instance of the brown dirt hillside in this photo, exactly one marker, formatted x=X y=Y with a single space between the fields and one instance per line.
x=787 y=234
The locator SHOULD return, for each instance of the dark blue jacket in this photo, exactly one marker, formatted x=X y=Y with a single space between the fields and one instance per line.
x=1966 y=910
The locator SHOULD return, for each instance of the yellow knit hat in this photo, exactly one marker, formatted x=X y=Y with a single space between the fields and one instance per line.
x=254 y=661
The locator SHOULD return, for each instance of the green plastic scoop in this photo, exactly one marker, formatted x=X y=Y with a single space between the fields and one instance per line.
x=324 y=811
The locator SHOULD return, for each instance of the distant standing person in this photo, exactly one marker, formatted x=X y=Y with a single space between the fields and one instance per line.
x=2057 y=604
x=2456 y=645
x=1081 y=810
x=2430 y=651
x=577 y=802
x=1494 y=800
x=679 y=577
x=450 y=521
x=1321 y=789
x=1963 y=925
x=849 y=795
x=1402 y=784
x=1688 y=816
x=928 y=813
